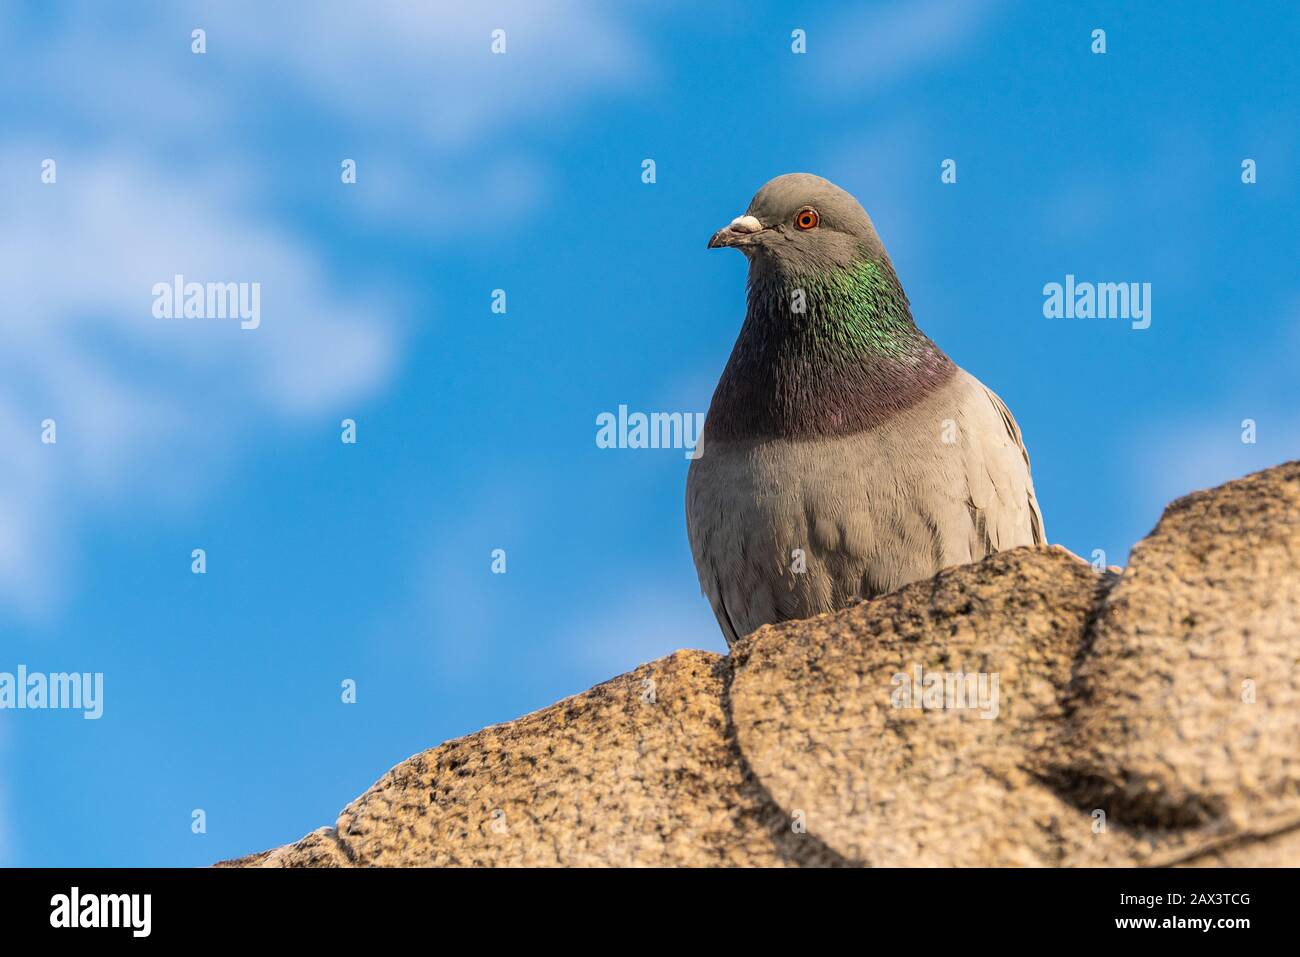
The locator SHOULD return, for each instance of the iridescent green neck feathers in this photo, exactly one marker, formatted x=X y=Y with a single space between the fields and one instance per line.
x=827 y=352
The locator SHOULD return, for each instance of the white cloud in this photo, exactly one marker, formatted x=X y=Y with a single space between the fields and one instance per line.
x=645 y=618
x=1203 y=447
x=1198 y=452
x=418 y=93
x=167 y=165
x=876 y=167
x=411 y=91
x=877 y=45
x=144 y=405
x=8 y=853
x=428 y=68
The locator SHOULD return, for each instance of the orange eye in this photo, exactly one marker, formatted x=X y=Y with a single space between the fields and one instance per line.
x=806 y=219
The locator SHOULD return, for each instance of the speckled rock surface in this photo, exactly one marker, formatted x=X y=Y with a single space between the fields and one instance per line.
x=1187 y=706
x=639 y=770
x=906 y=785
x=1149 y=717
x=320 y=848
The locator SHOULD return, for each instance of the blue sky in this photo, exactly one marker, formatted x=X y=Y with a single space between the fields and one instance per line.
x=476 y=430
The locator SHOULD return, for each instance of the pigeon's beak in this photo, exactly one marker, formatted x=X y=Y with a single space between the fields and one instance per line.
x=739 y=232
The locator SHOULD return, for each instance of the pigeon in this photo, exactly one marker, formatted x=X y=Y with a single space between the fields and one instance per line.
x=844 y=455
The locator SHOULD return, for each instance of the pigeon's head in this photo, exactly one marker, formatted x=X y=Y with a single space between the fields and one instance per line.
x=800 y=222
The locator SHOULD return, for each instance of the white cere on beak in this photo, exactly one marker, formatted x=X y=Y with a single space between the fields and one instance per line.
x=745 y=224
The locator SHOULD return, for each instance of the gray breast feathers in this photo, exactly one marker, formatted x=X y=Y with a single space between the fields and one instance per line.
x=782 y=529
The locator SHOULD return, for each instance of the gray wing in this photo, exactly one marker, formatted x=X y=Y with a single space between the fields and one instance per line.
x=703 y=525
x=716 y=541
x=1004 y=509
